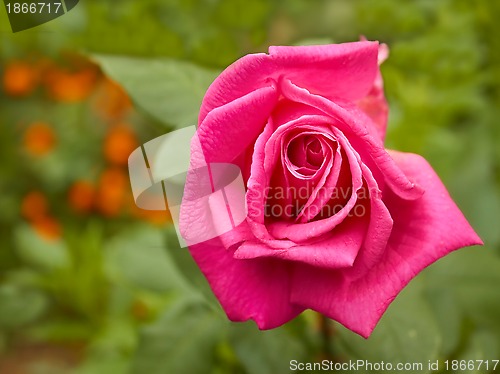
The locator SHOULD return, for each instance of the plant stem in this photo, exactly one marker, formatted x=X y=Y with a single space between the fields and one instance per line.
x=326 y=330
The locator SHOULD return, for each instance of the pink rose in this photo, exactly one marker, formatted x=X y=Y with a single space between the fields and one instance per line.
x=335 y=222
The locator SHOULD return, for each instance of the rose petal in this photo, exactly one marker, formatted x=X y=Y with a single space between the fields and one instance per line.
x=323 y=191
x=257 y=289
x=425 y=230
x=379 y=230
x=257 y=190
x=268 y=149
x=299 y=232
x=288 y=110
x=343 y=70
x=338 y=250
x=374 y=104
x=226 y=132
x=362 y=138
x=334 y=70
x=303 y=188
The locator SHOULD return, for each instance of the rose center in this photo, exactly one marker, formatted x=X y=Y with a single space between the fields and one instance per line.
x=306 y=153
x=314 y=152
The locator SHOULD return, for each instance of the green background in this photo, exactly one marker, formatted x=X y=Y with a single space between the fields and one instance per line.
x=115 y=295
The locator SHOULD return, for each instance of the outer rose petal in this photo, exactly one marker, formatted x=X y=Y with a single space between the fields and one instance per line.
x=227 y=132
x=424 y=230
x=374 y=104
x=378 y=233
x=343 y=70
x=337 y=250
x=257 y=289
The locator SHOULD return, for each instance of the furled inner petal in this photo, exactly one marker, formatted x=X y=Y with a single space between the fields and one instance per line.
x=287 y=190
x=323 y=193
x=297 y=154
x=305 y=153
x=315 y=151
x=301 y=189
x=257 y=193
x=269 y=172
x=329 y=154
x=338 y=246
x=355 y=243
x=304 y=183
x=364 y=138
x=303 y=231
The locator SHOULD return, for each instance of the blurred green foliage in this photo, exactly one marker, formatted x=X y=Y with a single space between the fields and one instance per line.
x=120 y=293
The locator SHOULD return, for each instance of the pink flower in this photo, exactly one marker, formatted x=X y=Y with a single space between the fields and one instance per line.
x=335 y=222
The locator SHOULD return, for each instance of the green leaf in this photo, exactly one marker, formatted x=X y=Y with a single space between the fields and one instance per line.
x=182 y=341
x=478 y=193
x=314 y=41
x=139 y=257
x=20 y=306
x=449 y=317
x=109 y=351
x=60 y=330
x=263 y=352
x=118 y=335
x=482 y=345
x=243 y=14
x=39 y=252
x=407 y=333
x=186 y=265
x=473 y=276
x=107 y=364
x=169 y=90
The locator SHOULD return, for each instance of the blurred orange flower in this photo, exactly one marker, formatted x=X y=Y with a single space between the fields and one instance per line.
x=81 y=196
x=39 y=139
x=112 y=192
x=34 y=206
x=156 y=217
x=20 y=78
x=119 y=144
x=48 y=227
x=112 y=102
x=66 y=86
x=140 y=310
x=35 y=209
